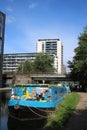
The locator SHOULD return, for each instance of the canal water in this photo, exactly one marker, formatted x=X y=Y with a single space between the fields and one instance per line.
x=8 y=123
x=4 y=97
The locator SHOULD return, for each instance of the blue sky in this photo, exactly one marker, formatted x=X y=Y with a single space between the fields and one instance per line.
x=30 y=20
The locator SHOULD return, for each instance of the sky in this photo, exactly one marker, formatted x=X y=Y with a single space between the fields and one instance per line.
x=30 y=20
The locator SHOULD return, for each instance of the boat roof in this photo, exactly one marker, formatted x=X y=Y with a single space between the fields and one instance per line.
x=35 y=85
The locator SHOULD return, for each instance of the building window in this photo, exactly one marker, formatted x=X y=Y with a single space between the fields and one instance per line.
x=42 y=47
x=51 y=48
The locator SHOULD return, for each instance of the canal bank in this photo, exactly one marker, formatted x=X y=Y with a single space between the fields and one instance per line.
x=58 y=120
x=78 y=120
x=66 y=120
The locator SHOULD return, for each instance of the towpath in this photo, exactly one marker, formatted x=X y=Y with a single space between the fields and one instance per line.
x=78 y=120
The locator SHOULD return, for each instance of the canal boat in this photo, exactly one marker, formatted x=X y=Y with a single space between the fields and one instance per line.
x=35 y=101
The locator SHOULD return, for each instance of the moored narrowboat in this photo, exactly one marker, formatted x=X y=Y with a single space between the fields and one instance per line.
x=35 y=101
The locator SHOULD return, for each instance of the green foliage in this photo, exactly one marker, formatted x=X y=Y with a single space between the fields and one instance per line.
x=78 y=66
x=59 y=118
x=42 y=64
x=26 y=67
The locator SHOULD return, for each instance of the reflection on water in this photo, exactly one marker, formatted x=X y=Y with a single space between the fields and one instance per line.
x=8 y=123
x=4 y=97
x=25 y=125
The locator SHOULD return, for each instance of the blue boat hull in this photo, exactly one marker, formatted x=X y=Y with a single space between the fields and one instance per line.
x=23 y=110
x=33 y=102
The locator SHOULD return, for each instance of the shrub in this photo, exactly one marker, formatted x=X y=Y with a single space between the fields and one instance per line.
x=62 y=113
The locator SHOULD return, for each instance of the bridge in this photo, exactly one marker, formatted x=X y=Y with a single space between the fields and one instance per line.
x=49 y=77
x=41 y=78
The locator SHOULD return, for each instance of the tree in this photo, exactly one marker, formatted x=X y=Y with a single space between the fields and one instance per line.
x=42 y=64
x=78 y=66
x=25 y=67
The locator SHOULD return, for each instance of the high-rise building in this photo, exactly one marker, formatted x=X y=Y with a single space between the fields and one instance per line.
x=53 y=47
x=2 y=29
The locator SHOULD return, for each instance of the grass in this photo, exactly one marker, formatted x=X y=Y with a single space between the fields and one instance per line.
x=58 y=119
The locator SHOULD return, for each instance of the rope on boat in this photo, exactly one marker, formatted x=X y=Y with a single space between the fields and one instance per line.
x=40 y=116
x=36 y=112
x=44 y=110
x=26 y=119
x=39 y=109
x=31 y=118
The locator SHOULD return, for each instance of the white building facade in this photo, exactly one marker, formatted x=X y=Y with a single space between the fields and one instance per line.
x=53 y=47
x=12 y=61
